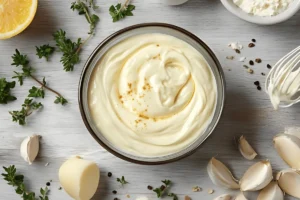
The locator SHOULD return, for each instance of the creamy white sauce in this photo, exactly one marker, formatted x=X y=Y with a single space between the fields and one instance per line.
x=152 y=95
x=263 y=7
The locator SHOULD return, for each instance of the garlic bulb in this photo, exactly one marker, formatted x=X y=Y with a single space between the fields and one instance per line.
x=246 y=150
x=221 y=175
x=30 y=148
x=224 y=197
x=271 y=192
x=240 y=197
x=289 y=182
x=288 y=147
x=257 y=176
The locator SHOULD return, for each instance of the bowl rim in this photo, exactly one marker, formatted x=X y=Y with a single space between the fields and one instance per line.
x=268 y=20
x=111 y=37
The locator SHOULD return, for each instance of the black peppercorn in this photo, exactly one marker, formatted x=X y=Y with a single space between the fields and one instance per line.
x=250 y=45
x=258 y=60
x=256 y=83
x=253 y=40
x=251 y=62
x=237 y=51
x=109 y=174
x=116 y=199
x=162 y=187
x=114 y=192
x=150 y=187
x=258 y=87
x=263 y=74
x=269 y=66
x=48 y=184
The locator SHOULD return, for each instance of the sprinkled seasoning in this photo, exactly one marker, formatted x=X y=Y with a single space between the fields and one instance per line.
x=150 y=187
x=269 y=66
x=250 y=45
x=258 y=60
x=210 y=191
x=48 y=184
x=237 y=51
x=196 y=189
x=253 y=40
x=109 y=174
x=258 y=88
x=256 y=83
x=251 y=62
x=263 y=74
x=114 y=192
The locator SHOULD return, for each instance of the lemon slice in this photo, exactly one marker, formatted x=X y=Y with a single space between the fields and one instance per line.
x=15 y=16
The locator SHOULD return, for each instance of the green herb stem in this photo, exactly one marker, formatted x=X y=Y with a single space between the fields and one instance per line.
x=45 y=86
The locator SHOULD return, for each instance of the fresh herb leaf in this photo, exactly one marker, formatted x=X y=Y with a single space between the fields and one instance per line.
x=17 y=181
x=173 y=195
x=159 y=192
x=122 y=180
x=92 y=4
x=69 y=49
x=82 y=9
x=44 y=51
x=5 y=88
x=162 y=189
x=27 y=108
x=19 y=59
x=60 y=100
x=121 y=11
x=167 y=182
x=36 y=92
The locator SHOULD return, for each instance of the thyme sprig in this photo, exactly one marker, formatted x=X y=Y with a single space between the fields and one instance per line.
x=17 y=181
x=121 y=11
x=163 y=189
x=45 y=51
x=122 y=180
x=5 y=87
x=27 y=72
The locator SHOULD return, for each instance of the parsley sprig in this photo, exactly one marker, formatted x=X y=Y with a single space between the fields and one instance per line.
x=27 y=108
x=45 y=51
x=69 y=49
x=122 y=181
x=82 y=9
x=27 y=71
x=121 y=11
x=5 y=87
x=163 y=189
x=17 y=181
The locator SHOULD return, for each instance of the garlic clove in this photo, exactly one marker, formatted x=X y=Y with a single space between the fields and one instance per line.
x=257 y=176
x=224 y=197
x=289 y=182
x=288 y=147
x=293 y=131
x=221 y=175
x=30 y=148
x=240 y=196
x=271 y=192
x=246 y=150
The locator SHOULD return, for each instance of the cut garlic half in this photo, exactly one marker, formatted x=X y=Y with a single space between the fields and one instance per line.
x=257 y=176
x=289 y=182
x=240 y=197
x=224 y=197
x=221 y=175
x=288 y=147
x=271 y=192
x=246 y=149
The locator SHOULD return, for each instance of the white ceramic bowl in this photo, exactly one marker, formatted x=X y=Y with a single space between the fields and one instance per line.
x=293 y=8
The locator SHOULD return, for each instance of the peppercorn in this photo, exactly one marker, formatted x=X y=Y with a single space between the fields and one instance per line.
x=250 y=45
x=162 y=187
x=253 y=40
x=109 y=174
x=150 y=187
x=114 y=192
x=48 y=184
x=263 y=74
x=258 y=87
x=116 y=199
x=269 y=66
x=251 y=62
x=256 y=83
x=237 y=51
x=258 y=60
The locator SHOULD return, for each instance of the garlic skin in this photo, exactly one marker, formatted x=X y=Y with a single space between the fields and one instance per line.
x=257 y=176
x=246 y=149
x=240 y=196
x=293 y=131
x=288 y=147
x=289 y=182
x=30 y=147
x=220 y=175
x=223 y=197
x=271 y=192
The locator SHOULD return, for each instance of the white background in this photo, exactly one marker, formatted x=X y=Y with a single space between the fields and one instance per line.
x=247 y=110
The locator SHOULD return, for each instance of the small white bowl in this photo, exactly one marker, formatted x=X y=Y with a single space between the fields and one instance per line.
x=293 y=8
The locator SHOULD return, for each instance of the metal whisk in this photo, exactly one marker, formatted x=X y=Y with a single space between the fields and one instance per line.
x=283 y=81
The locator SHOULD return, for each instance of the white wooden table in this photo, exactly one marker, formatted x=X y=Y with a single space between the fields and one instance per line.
x=247 y=111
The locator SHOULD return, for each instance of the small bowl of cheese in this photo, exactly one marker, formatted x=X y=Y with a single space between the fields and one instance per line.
x=151 y=93
x=263 y=12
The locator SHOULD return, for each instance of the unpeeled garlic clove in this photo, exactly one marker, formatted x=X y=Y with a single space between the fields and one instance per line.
x=246 y=150
x=293 y=131
x=288 y=147
x=30 y=148
x=257 y=176
x=221 y=175
x=289 y=182
x=271 y=192
x=240 y=196
x=224 y=197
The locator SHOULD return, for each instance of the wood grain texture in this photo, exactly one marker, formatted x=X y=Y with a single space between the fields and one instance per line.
x=247 y=110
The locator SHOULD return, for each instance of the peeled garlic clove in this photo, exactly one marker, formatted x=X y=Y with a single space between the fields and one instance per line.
x=289 y=182
x=293 y=131
x=271 y=192
x=221 y=175
x=288 y=147
x=224 y=197
x=30 y=148
x=79 y=178
x=246 y=150
x=257 y=176
x=240 y=197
